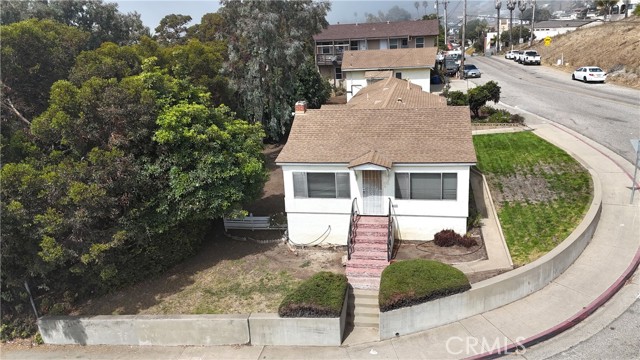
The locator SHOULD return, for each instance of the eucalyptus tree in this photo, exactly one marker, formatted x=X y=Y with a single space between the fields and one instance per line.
x=173 y=29
x=267 y=42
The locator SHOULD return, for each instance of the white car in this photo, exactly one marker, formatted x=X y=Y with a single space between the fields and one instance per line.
x=589 y=74
x=511 y=54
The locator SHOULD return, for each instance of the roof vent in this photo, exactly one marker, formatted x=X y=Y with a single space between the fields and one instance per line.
x=399 y=100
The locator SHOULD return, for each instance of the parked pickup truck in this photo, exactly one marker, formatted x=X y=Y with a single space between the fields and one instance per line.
x=530 y=57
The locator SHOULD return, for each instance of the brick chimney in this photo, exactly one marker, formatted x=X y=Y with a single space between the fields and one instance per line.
x=301 y=107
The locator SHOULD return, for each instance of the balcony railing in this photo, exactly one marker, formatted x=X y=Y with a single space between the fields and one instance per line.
x=328 y=59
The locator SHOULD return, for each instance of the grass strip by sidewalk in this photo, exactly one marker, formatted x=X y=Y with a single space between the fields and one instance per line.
x=541 y=193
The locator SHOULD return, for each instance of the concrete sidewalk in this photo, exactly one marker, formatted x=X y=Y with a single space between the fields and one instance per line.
x=614 y=245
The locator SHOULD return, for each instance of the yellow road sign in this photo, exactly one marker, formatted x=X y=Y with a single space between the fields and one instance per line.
x=547 y=41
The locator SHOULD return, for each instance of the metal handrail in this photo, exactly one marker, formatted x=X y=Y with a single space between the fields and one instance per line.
x=390 y=236
x=351 y=239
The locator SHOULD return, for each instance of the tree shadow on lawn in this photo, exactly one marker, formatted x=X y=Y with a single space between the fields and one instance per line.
x=216 y=247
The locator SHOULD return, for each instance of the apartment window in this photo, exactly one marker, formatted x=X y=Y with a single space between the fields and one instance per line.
x=419 y=42
x=321 y=185
x=427 y=186
x=324 y=47
x=354 y=45
x=398 y=75
x=398 y=43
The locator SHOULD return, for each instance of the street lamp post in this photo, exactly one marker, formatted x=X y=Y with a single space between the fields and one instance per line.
x=511 y=4
x=522 y=6
x=498 y=6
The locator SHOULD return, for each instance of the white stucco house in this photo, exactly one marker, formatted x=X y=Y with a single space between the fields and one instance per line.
x=415 y=159
x=360 y=68
x=552 y=28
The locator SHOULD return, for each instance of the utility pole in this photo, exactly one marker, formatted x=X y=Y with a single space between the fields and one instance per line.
x=464 y=30
x=522 y=6
x=498 y=6
x=446 y=34
x=511 y=5
x=438 y=18
x=533 y=19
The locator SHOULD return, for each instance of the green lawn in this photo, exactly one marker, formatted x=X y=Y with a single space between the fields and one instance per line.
x=541 y=192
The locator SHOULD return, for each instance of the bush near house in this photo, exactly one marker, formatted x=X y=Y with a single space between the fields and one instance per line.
x=492 y=115
x=411 y=282
x=448 y=238
x=322 y=295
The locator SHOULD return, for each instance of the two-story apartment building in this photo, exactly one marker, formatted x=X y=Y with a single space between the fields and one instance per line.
x=331 y=44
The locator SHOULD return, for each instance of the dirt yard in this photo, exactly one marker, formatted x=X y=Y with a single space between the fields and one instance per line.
x=230 y=275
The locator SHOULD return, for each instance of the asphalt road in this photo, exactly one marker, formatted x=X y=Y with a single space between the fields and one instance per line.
x=618 y=341
x=606 y=113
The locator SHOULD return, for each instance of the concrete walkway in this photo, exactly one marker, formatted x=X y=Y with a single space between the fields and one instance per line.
x=612 y=249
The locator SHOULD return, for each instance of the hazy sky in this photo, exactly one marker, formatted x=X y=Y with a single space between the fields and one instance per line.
x=343 y=11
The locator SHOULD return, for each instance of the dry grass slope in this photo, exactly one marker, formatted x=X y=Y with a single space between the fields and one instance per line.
x=615 y=47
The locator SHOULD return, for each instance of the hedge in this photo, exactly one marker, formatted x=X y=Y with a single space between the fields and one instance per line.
x=411 y=282
x=322 y=295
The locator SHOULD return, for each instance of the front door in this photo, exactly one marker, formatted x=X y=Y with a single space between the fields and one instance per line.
x=372 y=192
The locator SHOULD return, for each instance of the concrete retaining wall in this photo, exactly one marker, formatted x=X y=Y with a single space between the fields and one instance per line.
x=202 y=330
x=145 y=330
x=271 y=329
x=500 y=290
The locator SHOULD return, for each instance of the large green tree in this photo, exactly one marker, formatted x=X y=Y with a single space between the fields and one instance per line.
x=267 y=42
x=311 y=86
x=121 y=176
x=35 y=54
x=173 y=29
x=102 y=20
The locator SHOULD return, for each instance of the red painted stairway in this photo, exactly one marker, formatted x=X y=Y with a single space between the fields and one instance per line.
x=369 y=256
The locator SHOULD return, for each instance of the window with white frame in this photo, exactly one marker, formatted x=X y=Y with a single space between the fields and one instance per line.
x=426 y=186
x=393 y=43
x=321 y=185
x=405 y=43
x=419 y=42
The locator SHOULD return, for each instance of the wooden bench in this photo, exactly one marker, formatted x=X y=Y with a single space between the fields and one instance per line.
x=251 y=223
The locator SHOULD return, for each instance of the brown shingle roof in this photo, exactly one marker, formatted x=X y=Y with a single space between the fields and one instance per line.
x=394 y=93
x=389 y=59
x=372 y=157
x=430 y=135
x=379 y=30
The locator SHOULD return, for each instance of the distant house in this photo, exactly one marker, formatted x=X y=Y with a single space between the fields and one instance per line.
x=361 y=68
x=331 y=44
x=552 y=28
x=388 y=92
x=414 y=160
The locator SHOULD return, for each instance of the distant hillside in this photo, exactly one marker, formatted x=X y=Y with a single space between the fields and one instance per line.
x=614 y=46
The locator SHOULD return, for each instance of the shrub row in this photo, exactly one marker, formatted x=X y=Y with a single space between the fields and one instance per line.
x=492 y=115
x=447 y=238
x=411 y=282
x=322 y=295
